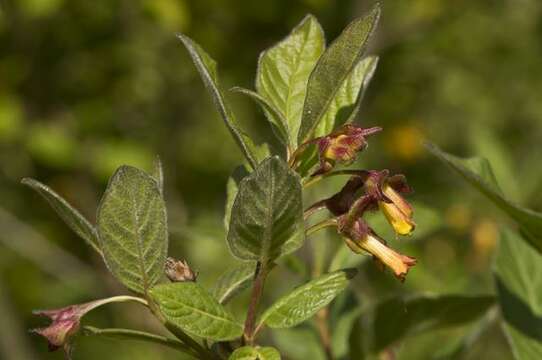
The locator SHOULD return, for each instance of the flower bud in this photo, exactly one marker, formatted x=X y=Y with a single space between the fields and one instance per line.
x=342 y=146
x=179 y=271
x=65 y=324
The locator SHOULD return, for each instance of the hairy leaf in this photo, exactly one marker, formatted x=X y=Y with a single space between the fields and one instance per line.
x=284 y=69
x=207 y=68
x=255 y=353
x=477 y=172
x=73 y=218
x=275 y=117
x=267 y=215
x=518 y=275
x=132 y=228
x=302 y=303
x=334 y=66
x=345 y=104
x=393 y=319
x=191 y=308
x=234 y=281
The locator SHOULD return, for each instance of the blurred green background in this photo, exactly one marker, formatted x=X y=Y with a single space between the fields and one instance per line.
x=86 y=86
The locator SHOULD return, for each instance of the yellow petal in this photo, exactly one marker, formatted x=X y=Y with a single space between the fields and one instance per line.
x=402 y=224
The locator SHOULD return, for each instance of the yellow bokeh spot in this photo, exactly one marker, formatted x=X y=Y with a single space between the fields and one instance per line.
x=405 y=142
x=484 y=237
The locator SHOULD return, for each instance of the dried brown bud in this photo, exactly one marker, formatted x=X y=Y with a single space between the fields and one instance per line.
x=179 y=271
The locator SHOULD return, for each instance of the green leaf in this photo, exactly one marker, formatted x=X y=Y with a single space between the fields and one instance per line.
x=392 y=320
x=234 y=281
x=333 y=68
x=191 y=308
x=477 y=172
x=207 y=69
x=255 y=353
x=73 y=218
x=284 y=70
x=158 y=174
x=302 y=303
x=132 y=229
x=277 y=120
x=232 y=188
x=267 y=214
x=518 y=275
x=345 y=104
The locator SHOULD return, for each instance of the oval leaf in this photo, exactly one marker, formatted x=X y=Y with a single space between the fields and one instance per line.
x=302 y=303
x=267 y=214
x=234 y=281
x=255 y=353
x=284 y=70
x=332 y=69
x=207 y=69
x=132 y=228
x=519 y=287
x=478 y=173
x=73 y=218
x=345 y=105
x=191 y=308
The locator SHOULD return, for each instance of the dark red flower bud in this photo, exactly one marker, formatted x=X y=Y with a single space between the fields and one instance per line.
x=342 y=146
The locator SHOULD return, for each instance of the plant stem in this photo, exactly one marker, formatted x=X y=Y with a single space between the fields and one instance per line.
x=257 y=291
x=323 y=331
x=139 y=335
x=321 y=225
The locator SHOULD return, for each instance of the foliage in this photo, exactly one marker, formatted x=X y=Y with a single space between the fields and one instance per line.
x=311 y=96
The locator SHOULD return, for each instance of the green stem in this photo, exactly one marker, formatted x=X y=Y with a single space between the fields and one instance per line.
x=321 y=225
x=139 y=335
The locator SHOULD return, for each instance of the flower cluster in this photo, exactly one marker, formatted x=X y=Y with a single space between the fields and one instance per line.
x=366 y=190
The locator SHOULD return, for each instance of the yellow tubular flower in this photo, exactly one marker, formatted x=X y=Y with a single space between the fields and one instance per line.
x=398 y=263
x=398 y=212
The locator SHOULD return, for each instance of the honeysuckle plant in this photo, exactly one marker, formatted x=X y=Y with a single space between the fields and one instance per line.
x=310 y=94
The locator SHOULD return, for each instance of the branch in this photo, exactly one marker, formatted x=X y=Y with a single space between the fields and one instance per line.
x=139 y=335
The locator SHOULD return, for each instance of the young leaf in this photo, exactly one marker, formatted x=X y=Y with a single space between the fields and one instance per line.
x=255 y=353
x=518 y=270
x=233 y=281
x=477 y=172
x=267 y=215
x=302 y=303
x=158 y=174
x=277 y=120
x=191 y=308
x=395 y=318
x=73 y=218
x=132 y=229
x=207 y=68
x=284 y=69
x=335 y=65
x=345 y=104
